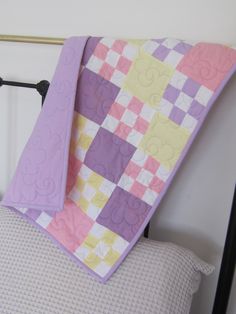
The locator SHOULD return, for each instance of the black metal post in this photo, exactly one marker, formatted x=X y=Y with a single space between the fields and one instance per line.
x=227 y=265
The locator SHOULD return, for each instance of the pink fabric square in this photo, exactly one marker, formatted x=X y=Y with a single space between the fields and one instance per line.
x=208 y=64
x=116 y=111
x=123 y=65
x=123 y=130
x=106 y=71
x=138 y=189
x=73 y=169
x=135 y=105
x=101 y=51
x=118 y=46
x=70 y=226
x=132 y=170
x=141 y=125
x=156 y=185
x=151 y=165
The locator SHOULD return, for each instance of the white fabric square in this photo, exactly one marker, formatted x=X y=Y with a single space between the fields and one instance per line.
x=94 y=64
x=110 y=123
x=91 y=128
x=101 y=249
x=139 y=158
x=107 y=187
x=173 y=58
x=120 y=245
x=126 y=182
x=178 y=80
x=93 y=211
x=80 y=153
x=189 y=123
x=183 y=101
x=85 y=172
x=117 y=78
x=102 y=269
x=97 y=230
x=130 y=52
x=75 y=195
x=88 y=192
x=170 y=43
x=163 y=173
x=82 y=252
x=129 y=118
x=165 y=107
x=149 y=197
x=134 y=137
x=147 y=112
x=22 y=210
x=112 y=58
x=144 y=177
x=124 y=98
x=150 y=46
x=203 y=95
x=44 y=220
x=107 y=41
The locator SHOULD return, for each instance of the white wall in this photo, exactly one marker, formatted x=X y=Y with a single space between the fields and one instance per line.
x=195 y=211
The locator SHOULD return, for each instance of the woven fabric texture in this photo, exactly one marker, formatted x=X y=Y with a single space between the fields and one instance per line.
x=37 y=278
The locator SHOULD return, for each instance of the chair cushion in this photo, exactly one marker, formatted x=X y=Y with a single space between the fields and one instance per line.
x=36 y=277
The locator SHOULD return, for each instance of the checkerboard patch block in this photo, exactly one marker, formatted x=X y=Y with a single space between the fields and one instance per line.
x=128 y=118
x=144 y=177
x=91 y=191
x=101 y=249
x=112 y=59
x=82 y=135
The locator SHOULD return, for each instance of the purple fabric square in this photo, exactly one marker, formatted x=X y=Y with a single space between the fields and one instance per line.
x=196 y=110
x=171 y=94
x=191 y=87
x=159 y=41
x=33 y=213
x=109 y=155
x=89 y=48
x=161 y=52
x=177 y=115
x=95 y=95
x=124 y=213
x=182 y=47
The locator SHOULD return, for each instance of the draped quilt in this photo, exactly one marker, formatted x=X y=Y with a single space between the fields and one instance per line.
x=118 y=119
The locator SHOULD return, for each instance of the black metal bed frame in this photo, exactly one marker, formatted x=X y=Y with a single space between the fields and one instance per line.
x=228 y=261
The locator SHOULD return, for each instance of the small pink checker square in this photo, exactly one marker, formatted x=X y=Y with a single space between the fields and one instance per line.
x=151 y=165
x=123 y=130
x=123 y=65
x=70 y=226
x=141 y=125
x=101 y=51
x=156 y=185
x=138 y=189
x=135 y=105
x=106 y=71
x=116 y=111
x=132 y=170
x=118 y=46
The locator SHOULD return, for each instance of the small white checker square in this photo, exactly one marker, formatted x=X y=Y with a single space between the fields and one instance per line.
x=107 y=41
x=123 y=98
x=144 y=177
x=178 y=80
x=165 y=107
x=163 y=173
x=112 y=58
x=183 y=102
x=82 y=252
x=94 y=64
x=117 y=78
x=120 y=245
x=80 y=153
x=149 y=197
x=107 y=187
x=102 y=269
x=134 y=137
x=189 y=123
x=173 y=58
x=44 y=220
x=89 y=192
x=150 y=46
x=110 y=123
x=126 y=182
x=130 y=52
x=147 y=113
x=203 y=95
x=170 y=43
x=129 y=118
x=75 y=195
x=139 y=158
x=101 y=249
x=91 y=128
x=85 y=172
x=22 y=210
x=97 y=230
x=93 y=211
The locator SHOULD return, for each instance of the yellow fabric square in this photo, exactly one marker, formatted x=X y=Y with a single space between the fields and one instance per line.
x=92 y=260
x=84 y=141
x=99 y=199
x=95 y=180
x=148 y=78
x=164 y=140
x=111 y=257
x=83 y=204
x=109 y=237
x=91 y=241
x=80 y=183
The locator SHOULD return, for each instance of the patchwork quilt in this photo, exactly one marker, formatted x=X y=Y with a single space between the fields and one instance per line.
x=118 y=119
